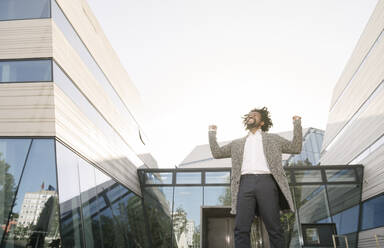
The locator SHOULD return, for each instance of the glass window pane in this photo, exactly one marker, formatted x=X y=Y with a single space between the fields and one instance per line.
x=217 y=196
x=24 y=9
x=69 y=195
x=342 y=197
x=308 y=176
x=35 y=219
x=25 y=71
x=373 y=213
x=346 y=175
x=13 y=153
x=347 y=221
x=311 y=203
x=188 y=177
x=217 y=177
x=89 y=204
x=158 y=206
x=186 y=215
x=158 y=177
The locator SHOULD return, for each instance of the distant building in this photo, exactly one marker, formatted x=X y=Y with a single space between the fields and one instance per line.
x=32 y=206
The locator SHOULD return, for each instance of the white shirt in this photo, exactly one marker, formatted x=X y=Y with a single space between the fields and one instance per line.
x=254 y=161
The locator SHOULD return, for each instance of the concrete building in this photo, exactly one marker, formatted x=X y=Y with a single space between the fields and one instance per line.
x=355 y=129
x=69 y=116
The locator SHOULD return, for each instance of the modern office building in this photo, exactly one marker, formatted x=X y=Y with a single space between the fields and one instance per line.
x=71 y=135
x=310 y=154
x=355 y=129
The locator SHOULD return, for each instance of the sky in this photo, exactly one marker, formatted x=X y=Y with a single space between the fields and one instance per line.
x=202 y=62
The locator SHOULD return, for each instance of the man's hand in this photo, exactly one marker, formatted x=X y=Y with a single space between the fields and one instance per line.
x=212 y=128
x=296 y=117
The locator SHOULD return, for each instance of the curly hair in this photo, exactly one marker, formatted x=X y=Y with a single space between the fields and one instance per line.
x=265 y=117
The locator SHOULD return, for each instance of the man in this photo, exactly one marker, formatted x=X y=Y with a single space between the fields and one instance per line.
x=259 y=186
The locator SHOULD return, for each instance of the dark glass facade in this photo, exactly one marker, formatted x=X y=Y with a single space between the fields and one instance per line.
x=327 y=198
x=51 y=197
x=373 y=213
x=173 y=200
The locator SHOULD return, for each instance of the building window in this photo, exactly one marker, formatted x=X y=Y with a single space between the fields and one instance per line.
x=373 y=213
x=24 y=9
x=13 y=71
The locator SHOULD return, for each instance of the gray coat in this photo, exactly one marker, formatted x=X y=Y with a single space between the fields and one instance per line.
x=274 y=145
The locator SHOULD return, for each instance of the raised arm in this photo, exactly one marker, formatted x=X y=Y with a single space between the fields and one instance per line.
x=216 y=150
x=294 y=146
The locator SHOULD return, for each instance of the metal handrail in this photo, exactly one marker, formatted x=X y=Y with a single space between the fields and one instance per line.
x=334 y=240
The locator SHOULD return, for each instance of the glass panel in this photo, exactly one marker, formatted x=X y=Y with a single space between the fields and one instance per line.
x=346 y=175
x=158 y=206
x=89 y=205
x=35 y=218
x=308 y=176
x=347 y=221
x=217 y=177
x=158 y=178
x=25 y=71
x=217 y=196
x=69 y=195
x=13 y=153
x=373 y=213
x=342 y=197
x=24 y=9
x=311 y=203
x=188 y=177
x=122 y=218
x=186 y=216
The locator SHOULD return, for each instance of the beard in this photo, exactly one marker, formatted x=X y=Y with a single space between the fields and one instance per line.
x=254 y=124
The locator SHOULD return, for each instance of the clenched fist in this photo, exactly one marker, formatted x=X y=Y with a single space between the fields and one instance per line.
x=212 y=128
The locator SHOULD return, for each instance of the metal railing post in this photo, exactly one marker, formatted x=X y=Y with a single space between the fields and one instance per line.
x=334 y=240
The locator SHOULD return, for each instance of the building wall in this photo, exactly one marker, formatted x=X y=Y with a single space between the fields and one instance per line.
x=80 y=52
x=355 y=129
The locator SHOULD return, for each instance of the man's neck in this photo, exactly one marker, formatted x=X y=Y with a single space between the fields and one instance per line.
x=254 y=130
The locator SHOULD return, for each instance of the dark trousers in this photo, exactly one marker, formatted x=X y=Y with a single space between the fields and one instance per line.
x=259 y=193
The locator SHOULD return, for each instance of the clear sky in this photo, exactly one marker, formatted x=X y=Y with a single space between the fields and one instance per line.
x=201 y=62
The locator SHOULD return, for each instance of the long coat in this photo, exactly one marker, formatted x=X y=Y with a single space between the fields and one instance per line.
x=273 y=145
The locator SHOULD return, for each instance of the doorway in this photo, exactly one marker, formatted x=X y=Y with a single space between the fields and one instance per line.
x=218 y=225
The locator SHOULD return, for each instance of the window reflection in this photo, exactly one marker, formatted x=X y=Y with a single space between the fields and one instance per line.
x=188 y=177
x=186 y=216
x=158 y=177
x=26 y=71
x=71 y=227
x=89 y=205
x=95 y=208
x=158 y=207
x=13 y=153
x=34 y=221
x=217 y=177
x=217 y=196
x=24 y=9
x=311 y=203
